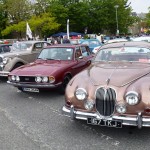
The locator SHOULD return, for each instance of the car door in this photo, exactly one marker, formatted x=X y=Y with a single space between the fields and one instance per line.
x=80 y=59
x=87 y=55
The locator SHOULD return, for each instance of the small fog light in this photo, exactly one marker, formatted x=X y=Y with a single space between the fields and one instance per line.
x=89 y=104
x=121 y=108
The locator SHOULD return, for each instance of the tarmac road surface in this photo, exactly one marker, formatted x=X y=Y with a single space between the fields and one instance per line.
x=33 y=121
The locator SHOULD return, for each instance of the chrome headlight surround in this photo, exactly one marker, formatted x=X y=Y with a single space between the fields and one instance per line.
x=121 y=108
x=6 y=60
x=89 y=104
x=13 y=78
x=38 y=79
x=44 y=79
x=132 y=98
x=81 y=94
x=17 y=78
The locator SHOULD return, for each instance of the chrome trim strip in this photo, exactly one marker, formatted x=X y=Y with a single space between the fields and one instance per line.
x=138 y=120
x=34 y=85
x=4 y=73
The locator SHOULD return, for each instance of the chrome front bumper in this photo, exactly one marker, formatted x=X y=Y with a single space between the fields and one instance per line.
x=138 y=120
x=34 y=85
x=4 y=73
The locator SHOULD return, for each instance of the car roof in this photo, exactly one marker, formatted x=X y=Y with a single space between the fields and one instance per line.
x=66 y=45
x=141 y=38
x=5 y=44
x=127 y=43
x=30 y=41
x=116 y=40
x=89 y=40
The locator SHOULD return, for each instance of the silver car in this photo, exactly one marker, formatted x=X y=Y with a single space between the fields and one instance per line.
x=21 y=53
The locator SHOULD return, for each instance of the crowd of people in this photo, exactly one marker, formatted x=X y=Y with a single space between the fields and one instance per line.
x=58 y=40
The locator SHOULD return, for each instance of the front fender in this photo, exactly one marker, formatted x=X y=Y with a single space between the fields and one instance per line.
x=12 y=62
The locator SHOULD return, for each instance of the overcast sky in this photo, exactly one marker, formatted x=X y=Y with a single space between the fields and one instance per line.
x=140 y=6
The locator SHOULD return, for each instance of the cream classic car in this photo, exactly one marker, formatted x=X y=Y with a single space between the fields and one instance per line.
x=21 y=53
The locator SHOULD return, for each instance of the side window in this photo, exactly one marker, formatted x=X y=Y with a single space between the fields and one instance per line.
x=78 y=53
x=45 y=45
x=85 y=51
x=38 y=46
x=6 y=49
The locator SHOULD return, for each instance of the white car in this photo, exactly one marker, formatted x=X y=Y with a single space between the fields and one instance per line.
x=116 y=40
x=95 y=50
x=142 y=38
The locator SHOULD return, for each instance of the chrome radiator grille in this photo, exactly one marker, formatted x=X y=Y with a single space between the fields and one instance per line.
x=105 y=101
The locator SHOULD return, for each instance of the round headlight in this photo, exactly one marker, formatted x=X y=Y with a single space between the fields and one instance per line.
x=132 y=98
x=5 y=60
x=121 y=108
x=51 y=79
x=13 y=78
x=81 y=94
x=17 y=78
x=45 y=79
x=38 y=79
x=89 y=104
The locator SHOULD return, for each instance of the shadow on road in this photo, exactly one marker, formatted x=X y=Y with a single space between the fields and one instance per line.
x=3 y=79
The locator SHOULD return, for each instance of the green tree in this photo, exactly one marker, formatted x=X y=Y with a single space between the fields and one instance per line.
x=60 y=12
x=18 y=10
x=40 y=25
x=99 y=16
x=103 y=16
x=3 y=16
x=147 y=20
x=49 y=16
x=40 y=6
x=44 y=24
x=78 y=16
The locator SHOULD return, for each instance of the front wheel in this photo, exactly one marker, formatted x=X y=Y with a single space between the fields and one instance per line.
x=65 y=83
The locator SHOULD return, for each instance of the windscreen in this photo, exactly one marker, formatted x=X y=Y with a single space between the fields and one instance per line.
x=56 y=54
x=135 y=54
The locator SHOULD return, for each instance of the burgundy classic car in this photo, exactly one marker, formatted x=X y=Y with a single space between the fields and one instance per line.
x=54 y=67
x=115 y=89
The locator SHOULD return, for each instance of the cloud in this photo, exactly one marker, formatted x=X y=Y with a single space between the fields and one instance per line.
x=140 y=6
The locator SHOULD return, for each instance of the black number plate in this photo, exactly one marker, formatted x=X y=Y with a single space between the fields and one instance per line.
x=102 y=122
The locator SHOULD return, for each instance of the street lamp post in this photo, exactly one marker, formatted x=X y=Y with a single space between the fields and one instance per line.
x=116 y=7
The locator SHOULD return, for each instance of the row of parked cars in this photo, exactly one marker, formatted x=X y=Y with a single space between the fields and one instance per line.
x=110 y=88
